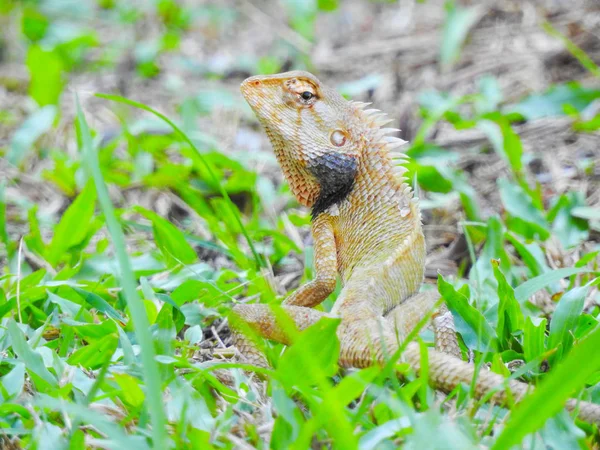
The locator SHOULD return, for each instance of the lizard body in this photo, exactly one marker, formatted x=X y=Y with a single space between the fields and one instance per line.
x=366 y=226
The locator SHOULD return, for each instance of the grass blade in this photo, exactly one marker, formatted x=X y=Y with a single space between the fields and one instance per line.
x=457 y=25
x=472 y=316
x=138 y=312
x=549 y=398
x=531 y=286
x=564 y=321
x=33 y=360
x=222 y=191
x=578 y=53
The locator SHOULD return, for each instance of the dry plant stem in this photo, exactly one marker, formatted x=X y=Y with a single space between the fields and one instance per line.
x=366 y=227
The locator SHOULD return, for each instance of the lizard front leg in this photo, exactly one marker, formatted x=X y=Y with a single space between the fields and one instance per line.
x=325 y=261
x=252 y=322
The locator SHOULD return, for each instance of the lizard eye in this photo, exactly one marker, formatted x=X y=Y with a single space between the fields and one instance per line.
x=338 y=138
x=307 y=95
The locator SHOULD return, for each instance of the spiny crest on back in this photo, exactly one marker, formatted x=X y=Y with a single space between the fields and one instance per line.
x=375 y=120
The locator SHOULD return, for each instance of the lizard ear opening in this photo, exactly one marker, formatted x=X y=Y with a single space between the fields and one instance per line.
x=338 y=138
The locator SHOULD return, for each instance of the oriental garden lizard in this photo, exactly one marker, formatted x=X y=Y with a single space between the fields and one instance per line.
x=366 y=225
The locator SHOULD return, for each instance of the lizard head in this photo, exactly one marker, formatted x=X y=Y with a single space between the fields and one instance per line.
x=315 y=133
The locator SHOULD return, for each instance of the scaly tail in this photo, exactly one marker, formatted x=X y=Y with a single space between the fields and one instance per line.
x=446 y=372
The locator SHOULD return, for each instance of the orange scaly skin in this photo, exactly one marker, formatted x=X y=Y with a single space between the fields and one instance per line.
x=366 y=228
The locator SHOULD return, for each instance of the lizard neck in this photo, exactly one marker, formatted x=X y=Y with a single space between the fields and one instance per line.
x=379 y=225
x=379 y=180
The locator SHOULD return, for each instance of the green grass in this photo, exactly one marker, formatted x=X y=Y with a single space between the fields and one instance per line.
x=110 y=308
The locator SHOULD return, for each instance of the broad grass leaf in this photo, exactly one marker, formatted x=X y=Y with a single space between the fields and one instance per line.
x=550 y=396
x=564 y=321
x=193 y=335
x=282 y=435
x=588 y=125
x=498 y=365
x=34 y=24
x=49 y=436
x=552 y=102
x=33 y=239
x=513 y=149
x=94 y=355
x=531 y=254
x=560 y=432
x=519 y=204
x=13 y=381
x=331 y=411
x=491 y=95
x=530 y=287
x=482 y=273
x=33 y=280
x=585 y=325
x=191 y=290
x=377 y=437
x=289 y=421
x=472 y=316
x=313 y=355
x=586 y=212
x=433 y=431
x=67 y=307
x=510 y=316
x=569 y=229
x=468 y=196
x=46 y=70
x=100 y=304
x=504 y=140
x=92 y=332
x=131 y=392
x=30 y=131
x=126 y=347
x=353 y=385
x=163 y=331
x=429 y=177
x=74 y=226
x=169 y=239
x=456 y=28
x=77 y=440
x=534 y=336
x=33 y=360
x=328 y=5
x=196 y=240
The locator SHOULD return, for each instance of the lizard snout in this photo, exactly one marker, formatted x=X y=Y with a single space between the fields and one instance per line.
x=251 y=90
x=249 y=84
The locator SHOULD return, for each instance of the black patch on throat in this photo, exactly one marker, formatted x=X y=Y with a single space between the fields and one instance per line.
x=335 y=173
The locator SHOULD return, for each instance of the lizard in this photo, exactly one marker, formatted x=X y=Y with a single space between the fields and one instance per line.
x=341 y=162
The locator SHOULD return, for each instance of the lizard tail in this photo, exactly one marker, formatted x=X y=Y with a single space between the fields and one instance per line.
x=446 y=372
